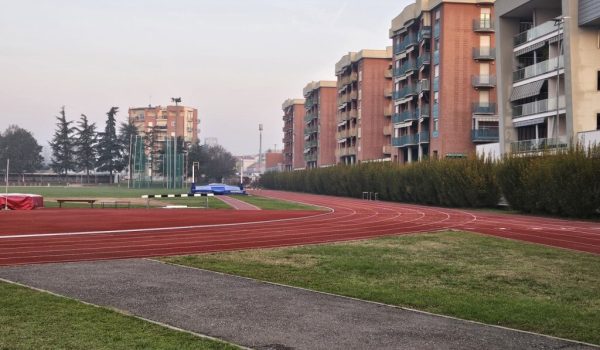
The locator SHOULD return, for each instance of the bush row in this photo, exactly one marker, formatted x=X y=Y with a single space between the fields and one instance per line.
x=565 y=184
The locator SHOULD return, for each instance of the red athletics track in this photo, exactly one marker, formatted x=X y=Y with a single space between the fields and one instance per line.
x=76 y=235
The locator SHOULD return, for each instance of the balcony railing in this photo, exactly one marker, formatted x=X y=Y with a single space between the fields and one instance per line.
x=436 y=84
x=483 y=81
x=484 y=108
x=387 y=149
x=389 y=73
x=405 y=140
x=436 y=30
x=405 y=92
x=538 y=107
x=436 y=111
x=405 y=68
x=436 y=57
x=387 y=111
x=387 y=93
x=408 y=41
x=424 y=33
x=483 y=25
x=404 y=117
x=310 y=157
x=423 y=85
x=311 y=129
x=424 y=111
x=310 y=144
x=424 y=59
x=535 y=32
x=485 y=135
x=484 y=53
x=539 y=145
x=424 y=137
x=309 y=117
x=387 y=130
x=539 y=68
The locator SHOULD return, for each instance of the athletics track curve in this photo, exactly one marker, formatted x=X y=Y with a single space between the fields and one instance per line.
x=54 y=235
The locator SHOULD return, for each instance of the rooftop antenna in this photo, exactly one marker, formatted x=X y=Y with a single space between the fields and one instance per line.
x=177 y=100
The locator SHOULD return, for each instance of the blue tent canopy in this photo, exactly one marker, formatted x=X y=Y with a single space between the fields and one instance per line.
x=217 y=189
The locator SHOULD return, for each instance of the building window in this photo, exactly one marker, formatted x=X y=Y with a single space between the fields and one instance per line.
x=598 y=121
x=173 y=123
x=598 y=80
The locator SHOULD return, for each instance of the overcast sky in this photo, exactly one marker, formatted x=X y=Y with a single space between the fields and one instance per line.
x=234 y=60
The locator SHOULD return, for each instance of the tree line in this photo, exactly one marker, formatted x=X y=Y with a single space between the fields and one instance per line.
x=77 y=146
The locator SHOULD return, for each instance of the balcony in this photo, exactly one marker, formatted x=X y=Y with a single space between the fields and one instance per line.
x=387 y=149
x=539 y=145
x=483 y=25
x=483 y=108
x=424 y=33
x=409 y=40
x=387 y=93
x=388 y=74
x=436 y=84
x=535 y=32
x=436 y=57
x=483 y=81
x=436 y=111
x=538 y=107
x=308 y=117
x=424 y=137
x=354 y=77
x=539 y=68
x=408 y=66
x=405 y=140
x=311 y=129
x=405 y=116
x=409 y=90
x=353 y=114
x=347 y=151
x=436 y=30
x=423 y=86
x=423 y=111
x=484 y=53
x=354 y=95
x=387 y=111
x=387 y=130
x=310 y=157
x=310 y=144
x=424 y=59
x=485 y=135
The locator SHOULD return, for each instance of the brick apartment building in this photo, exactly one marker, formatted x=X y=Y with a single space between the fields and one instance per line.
x=320 y=123
x=549 y=73
x=169 y=121
x=363 y=129
x=293 y=134
x=444 y=84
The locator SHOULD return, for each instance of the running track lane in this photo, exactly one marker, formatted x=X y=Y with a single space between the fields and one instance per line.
x=78 y=235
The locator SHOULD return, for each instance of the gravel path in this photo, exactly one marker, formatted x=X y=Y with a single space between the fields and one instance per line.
x=262 y=315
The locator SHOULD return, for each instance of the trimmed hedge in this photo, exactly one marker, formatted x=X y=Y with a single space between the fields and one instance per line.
x=454 y=183
x=565 y=184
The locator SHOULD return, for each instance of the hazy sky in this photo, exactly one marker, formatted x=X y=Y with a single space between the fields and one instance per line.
x=234 y=60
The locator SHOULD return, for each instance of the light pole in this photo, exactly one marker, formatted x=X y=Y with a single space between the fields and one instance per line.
x=194 y=165
x=6 y=190
x=260 y=130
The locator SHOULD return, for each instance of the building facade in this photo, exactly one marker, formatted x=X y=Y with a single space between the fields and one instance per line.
x=549 y=72
x=320 y=123
x=169 y=121
x=363 y=129
x=443 y=79
x=293 y=134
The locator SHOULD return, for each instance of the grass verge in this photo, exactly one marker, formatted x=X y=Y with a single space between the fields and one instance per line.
x=36 y=320
x=275 y=204
x=475 y=277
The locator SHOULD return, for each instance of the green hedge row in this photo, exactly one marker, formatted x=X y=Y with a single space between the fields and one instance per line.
x=565 y=184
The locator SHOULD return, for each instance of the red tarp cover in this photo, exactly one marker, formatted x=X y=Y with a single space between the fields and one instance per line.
x=18 y=201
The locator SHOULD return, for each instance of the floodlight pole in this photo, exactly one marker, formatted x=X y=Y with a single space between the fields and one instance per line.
x=6 y=189
x=129 y=169
x=260 y=159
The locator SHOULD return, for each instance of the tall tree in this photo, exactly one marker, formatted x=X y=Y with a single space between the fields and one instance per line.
x=21 y=148
x=62 y=145
x=109 y=148
x=215 y=162
x=127 y=133
x=86 y=140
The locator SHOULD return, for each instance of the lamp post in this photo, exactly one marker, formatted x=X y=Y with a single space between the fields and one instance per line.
x=6 y=189
x=260 y=160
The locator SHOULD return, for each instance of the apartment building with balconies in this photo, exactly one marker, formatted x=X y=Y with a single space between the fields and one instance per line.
x=169 y=121
x=444 y=87
x=320 y=123
x=363 y=129
x=293 y=134
x=548 y=72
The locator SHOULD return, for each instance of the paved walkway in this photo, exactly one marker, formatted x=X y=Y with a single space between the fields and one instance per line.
x=237 y=204
x=261 y=315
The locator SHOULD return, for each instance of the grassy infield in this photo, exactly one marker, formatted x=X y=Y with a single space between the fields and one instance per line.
x=496 y=281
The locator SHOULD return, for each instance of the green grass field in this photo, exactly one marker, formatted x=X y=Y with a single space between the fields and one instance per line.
x=475 y=277
x=275 y=204
x=36 y=320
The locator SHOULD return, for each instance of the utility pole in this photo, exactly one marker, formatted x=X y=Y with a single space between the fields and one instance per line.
x=260 y=159
x=6 y=190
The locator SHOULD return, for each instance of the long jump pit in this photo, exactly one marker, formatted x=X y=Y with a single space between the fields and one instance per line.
x=21 y=201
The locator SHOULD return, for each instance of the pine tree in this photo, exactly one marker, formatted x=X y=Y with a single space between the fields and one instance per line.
x=109 y=149
x=86 y=141
x=62 y=145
